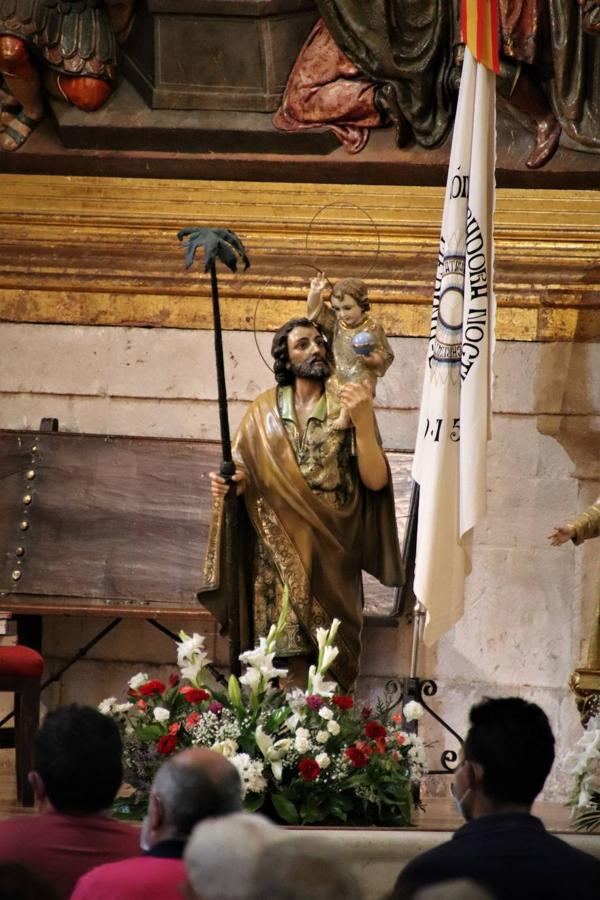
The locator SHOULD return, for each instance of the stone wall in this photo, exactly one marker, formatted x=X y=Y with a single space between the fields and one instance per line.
x=528 y=607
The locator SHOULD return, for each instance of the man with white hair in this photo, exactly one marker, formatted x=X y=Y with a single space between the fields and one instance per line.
x=191 y=786
x=221 y=855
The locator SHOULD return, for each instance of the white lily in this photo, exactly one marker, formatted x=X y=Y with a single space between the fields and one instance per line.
x=261 y=658
x=333 y=630
x=136 y=680
x=260 y=664
x=317 y=685
x=251 y=678
x=273 y=751
x=190 y=648
x=322 y=635
x=329 y=655
x=192 y=672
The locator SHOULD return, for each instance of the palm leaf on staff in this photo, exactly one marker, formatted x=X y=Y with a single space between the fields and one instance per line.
x=220 y=243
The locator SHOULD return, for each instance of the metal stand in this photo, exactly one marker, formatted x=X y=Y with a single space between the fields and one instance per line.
x=83 y=651
x=414 y=688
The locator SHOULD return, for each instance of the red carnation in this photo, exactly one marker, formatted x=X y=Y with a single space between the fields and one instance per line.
x=366 y=712
x=358 y=759
x=380 y=743
x=343 y=701
x=309 y=769
x=166 y=744
x=192 y=720
x=174 y=679
x=194 y=695
x=151 y=687
x=375 y=730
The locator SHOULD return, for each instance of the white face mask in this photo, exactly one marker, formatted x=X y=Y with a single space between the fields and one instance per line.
x=458 y=802
x=144 y=838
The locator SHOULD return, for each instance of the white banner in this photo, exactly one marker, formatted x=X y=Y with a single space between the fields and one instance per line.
x=455 y=414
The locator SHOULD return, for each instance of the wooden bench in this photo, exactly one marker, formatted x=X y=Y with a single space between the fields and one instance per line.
x=103 y=525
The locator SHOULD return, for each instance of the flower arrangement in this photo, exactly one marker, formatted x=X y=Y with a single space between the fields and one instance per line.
x=584 y=764
x=304 y=756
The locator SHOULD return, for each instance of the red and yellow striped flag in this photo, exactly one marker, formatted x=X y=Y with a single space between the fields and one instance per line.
x=479 y=22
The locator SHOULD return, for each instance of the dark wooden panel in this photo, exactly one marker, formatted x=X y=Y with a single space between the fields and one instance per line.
x=114 y=523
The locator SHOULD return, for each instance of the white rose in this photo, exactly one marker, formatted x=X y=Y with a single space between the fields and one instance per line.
x=322 y=737
x=413 y=711
x=325 y=713
x=161 y=714
x=227 y=748
x=333 y=727
x=323 y=760
x=137 y=680
x=302 y=740
x=106 y=706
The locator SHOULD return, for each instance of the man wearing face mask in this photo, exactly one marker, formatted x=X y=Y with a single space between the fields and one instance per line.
x=192 y=786
x=508 y=753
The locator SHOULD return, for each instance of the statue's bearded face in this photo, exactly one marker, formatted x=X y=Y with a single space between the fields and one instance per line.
x=307 y=352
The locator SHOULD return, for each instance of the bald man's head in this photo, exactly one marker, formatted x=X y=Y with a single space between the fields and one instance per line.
x=195 y=784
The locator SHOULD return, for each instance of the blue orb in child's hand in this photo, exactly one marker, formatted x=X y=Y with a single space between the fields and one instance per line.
x=363 y=343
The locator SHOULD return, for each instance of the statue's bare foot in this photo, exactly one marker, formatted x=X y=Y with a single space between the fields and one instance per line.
x=546 y=143
x=9 y=105
x=17 y=130
x=7 y=113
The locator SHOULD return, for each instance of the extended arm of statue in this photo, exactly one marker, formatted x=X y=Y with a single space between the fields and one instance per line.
x=585 y=526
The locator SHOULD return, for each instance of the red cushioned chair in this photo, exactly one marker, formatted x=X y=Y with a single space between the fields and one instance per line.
x=21 y=672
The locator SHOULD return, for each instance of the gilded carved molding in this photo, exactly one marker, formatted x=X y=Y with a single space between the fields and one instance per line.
x=103 y=251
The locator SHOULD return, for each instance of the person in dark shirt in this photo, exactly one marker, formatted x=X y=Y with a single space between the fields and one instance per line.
x=508 y=753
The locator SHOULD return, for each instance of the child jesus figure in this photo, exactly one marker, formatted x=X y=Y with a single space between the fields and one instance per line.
x=360 y=348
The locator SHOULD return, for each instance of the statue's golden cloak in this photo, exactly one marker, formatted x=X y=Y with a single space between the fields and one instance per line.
x=319 y=551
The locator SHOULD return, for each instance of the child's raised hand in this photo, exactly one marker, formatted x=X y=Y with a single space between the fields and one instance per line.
x=319 y=283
